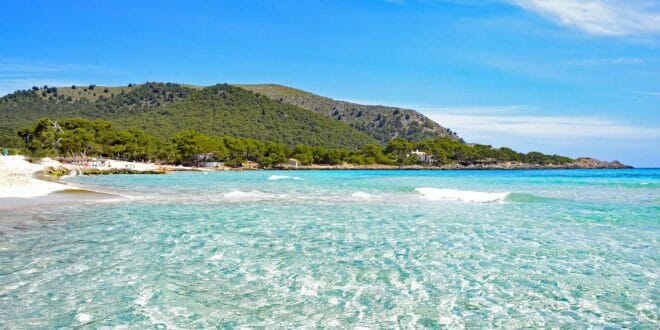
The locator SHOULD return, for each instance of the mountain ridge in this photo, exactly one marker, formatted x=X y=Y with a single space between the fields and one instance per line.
x=166 y=108
x=382 y=122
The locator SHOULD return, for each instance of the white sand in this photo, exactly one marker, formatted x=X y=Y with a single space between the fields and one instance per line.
x=17 y=178
x=106 y=165
x=110 y=164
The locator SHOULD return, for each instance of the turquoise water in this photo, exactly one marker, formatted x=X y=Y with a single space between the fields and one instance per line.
x=378 y=249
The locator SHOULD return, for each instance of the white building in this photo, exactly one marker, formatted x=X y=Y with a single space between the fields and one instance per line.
x=422 y=156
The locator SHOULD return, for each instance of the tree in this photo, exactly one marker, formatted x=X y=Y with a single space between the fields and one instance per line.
x=399 y=149
x=535 y=157
x=191 y=144
x=78 y=142
x=304 y=154
x=274 y=153
x=374 y=154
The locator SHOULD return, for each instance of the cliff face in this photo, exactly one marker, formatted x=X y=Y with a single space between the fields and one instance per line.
x=382 y=122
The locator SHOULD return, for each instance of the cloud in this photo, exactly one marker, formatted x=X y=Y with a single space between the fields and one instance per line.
x=8 y=67
x=489 y=122
x=15 y=75
x=599 y=17
x=573 y=136
x=11 y=85
x=481 y=110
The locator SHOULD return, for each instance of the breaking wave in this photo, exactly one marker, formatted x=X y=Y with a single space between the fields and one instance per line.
x=239 y=196
x=362 y=195
x=436 y=194
x=283 y=177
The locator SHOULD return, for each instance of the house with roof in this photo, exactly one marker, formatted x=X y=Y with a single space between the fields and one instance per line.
x=423 y=156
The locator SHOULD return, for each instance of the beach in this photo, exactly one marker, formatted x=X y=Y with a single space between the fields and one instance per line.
x=18 y=178
x=25 y=184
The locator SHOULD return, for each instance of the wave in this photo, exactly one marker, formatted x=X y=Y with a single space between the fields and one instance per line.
x=362 y=195
x=435 y=194
x=283 y=177
x=240 y=196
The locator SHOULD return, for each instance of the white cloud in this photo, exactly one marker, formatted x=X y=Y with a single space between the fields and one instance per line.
x=15 y=75
x=11 y=85
x=600 y=17
x=475 y=124
x=22 y=67
x=573 y=136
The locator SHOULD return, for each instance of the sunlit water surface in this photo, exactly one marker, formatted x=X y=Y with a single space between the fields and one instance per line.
x=340 y=249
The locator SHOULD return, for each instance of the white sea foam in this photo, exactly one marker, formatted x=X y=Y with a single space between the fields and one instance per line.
x=283 y=177
x=83 y=318
x=435 y=194
x=72 y=173
x=143 y=298
x=240 y=196
x=362 y=195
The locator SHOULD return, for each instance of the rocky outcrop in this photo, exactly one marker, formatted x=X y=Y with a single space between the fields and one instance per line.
x=586 y=162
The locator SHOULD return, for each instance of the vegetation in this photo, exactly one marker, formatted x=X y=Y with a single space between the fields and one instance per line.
x=163 y=110
x=96 y=171
x=382 y=123
x=78 y=137
x=172 y=123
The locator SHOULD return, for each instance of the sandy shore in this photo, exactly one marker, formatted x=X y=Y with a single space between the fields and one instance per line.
x=17 y=178
x=24 y=186
x=21 y=179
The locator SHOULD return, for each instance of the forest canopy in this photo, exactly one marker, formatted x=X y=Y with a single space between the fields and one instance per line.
x=79 y=137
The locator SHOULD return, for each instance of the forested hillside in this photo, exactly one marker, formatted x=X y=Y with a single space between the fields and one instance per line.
x=381 y=122
x=174 y=123
x=78 y=137
x=165 y=109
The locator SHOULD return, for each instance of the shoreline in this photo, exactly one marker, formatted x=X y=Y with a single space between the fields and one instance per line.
x=579 y=164
x=22 y=179
x=433 y=168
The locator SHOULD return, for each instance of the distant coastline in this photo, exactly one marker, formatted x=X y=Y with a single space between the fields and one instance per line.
x=596 y=165
x=121 y=167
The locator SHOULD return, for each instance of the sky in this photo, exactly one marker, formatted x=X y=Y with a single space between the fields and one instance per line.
x=577 y=78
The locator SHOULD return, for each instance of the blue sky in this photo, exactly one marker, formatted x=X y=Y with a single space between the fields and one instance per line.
x=575 y=77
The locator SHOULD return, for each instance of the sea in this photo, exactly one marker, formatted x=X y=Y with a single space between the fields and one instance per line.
x=567 y=249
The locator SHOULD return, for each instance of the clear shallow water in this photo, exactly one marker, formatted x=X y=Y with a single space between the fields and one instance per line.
x=340 y=249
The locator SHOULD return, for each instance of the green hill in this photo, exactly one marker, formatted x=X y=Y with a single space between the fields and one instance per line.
x=381 y=122
x=165 y=109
